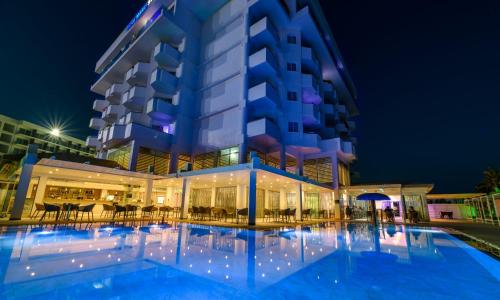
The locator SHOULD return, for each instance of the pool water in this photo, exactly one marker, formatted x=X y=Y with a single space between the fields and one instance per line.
x=184 y=261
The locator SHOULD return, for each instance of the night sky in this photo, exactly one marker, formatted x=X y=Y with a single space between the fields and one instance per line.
x=427 y=74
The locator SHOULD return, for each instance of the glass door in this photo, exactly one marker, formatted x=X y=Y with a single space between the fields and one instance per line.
x=312 y=202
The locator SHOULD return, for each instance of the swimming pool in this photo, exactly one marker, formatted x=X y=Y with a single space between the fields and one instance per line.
x=188 y=261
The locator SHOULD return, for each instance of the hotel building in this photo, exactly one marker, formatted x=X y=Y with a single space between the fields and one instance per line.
x=216 y=91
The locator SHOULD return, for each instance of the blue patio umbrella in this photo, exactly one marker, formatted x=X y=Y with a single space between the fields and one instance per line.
x=372 y=197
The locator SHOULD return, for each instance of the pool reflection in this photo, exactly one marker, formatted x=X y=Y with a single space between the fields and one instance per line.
x=197 y=260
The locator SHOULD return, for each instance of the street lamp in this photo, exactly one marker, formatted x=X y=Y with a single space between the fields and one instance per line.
x=55 y=132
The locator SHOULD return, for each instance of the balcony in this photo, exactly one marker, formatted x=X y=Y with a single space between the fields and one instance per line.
x=97 y=123
x=149 y=137
x=161 y=110
x=347 y=147
x=93 y=142
x=341 y=128
x=115 y=92
x=329 y=92
x=100 y=105
x=328 y=133
x=135 y=44
x=138 y=74
x=310 y=63
x=263 y=63
x=351 y=125
x=135 y=99
x=263 y=132
x=263 y=34
x=310 y=115
x=310 y=89
x=164 y=82
x=116 y=135
x=341 y=109
x=328 y=109
x=263 y=97
x=113 y=113
x=137 y=118
x=167 y=56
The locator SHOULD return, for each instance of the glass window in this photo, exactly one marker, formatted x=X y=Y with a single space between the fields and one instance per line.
x=293 y=127
x=291 y=67
x=121 y=156
x=292 y=39
x=159 y=161
x=292 y=96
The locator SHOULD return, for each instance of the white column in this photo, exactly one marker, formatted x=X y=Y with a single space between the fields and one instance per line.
x=266 y=199
x=169 y=197
x=148 y=194
x=240 y=196
x=40 y=190
x=22 y=191
x=298 y=192
x=212 y=196
x=283 y=203
x=186 y=190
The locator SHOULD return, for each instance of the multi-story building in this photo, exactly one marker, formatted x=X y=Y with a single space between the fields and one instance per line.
x=207 y=82
x=16 y=135
x=232 y=105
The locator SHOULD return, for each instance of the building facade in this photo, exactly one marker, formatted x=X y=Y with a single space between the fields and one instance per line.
x=16 y=135
x=208 y=82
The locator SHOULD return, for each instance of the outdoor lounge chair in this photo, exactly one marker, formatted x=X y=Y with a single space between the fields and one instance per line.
x=67 y=209
x=86 y=209
x=51 y=208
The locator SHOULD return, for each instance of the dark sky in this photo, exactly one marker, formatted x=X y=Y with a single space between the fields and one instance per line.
x=427 y=74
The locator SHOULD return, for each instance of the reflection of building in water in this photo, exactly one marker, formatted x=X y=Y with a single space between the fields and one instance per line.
x=241 y=260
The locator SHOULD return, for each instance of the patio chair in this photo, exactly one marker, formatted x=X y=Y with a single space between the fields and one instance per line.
x=322 y=213
x=229 y=214
x=51 y=208
x=284 y=214
x=241 y=213
x=268 y=214
x=165 y=210
x=205 y=212
x=148 y=211
x=86 y=209
x=218 y=213
x=38 y=208
x=67 y=209
x=131 y=211
x=120 y=209
x=107 y=210
x=292 y=214
x=194 y=212
x=306 y=213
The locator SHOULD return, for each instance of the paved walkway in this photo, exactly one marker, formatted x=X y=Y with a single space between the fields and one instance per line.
x=485 y=232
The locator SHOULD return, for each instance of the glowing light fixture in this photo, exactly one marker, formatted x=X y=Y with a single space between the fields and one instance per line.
x=55 y=131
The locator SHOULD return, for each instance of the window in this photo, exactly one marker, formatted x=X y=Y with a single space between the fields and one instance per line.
x=6 y=138
x=292 y=96
x=292 y=39
x=293 y=127
x=291 y=67
x=121 y=156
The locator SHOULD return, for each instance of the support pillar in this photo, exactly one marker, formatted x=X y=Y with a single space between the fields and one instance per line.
x=40 y=189
x=298 y=192
x=148 y=194
x=186 y=190
x=22 y=192
x=172 y=166
x=252 y=197
x=212 y=197
x=283 y=203
x=283 y=157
